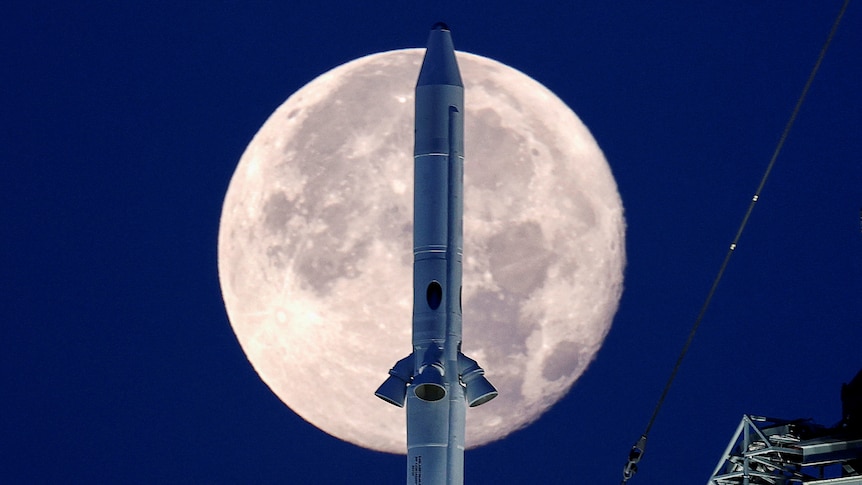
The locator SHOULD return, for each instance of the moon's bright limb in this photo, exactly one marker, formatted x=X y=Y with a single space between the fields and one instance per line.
x=315 y=246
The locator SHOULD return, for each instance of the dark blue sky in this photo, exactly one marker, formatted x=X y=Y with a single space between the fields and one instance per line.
x=121 y=128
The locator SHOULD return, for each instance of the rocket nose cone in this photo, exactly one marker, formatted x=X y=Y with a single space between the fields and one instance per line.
x=439 y=65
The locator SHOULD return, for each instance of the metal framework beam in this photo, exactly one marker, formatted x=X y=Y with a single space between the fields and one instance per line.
x=780 y=452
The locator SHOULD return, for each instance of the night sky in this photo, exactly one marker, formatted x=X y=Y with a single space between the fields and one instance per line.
x=122 y=123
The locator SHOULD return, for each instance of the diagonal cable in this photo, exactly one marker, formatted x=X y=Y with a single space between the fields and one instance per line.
x=638 y=449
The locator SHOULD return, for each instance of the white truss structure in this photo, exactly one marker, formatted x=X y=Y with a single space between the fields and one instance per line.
x=780 y=452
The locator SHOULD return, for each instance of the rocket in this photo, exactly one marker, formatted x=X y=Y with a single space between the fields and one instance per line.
x=436 y=380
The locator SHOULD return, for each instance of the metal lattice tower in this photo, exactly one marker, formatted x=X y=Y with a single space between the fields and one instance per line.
x=781 y=452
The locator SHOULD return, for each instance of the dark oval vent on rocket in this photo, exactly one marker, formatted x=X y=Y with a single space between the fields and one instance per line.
x=434 y=295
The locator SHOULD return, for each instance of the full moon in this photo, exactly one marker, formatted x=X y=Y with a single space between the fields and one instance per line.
x=315 y=246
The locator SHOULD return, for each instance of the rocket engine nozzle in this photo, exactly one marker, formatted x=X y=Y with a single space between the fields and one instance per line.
x=478 y=389
x=429 y=384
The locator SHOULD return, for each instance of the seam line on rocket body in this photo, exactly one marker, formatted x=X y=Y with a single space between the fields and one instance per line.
x=436 y=154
